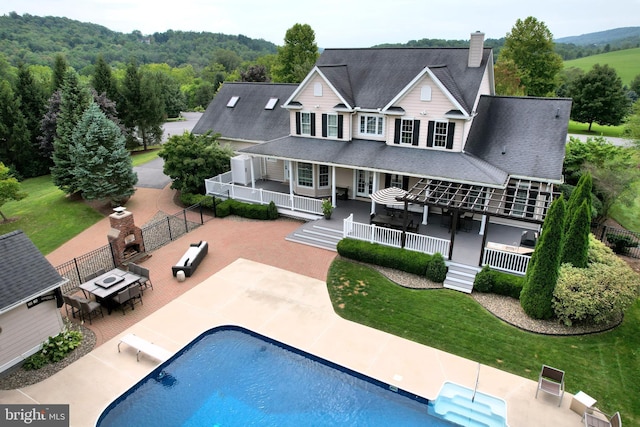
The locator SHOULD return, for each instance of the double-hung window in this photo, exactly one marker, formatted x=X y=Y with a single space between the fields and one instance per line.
x=323 y=176
x=406 y=132
x=305 y=123
x=440 y=134
x=305 y=174
x=332 y=125
x=371 y=125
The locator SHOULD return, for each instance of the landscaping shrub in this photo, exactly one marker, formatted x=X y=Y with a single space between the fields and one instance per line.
x=597 y=294
x=246 y=210
x=436 y=268
x=621 y=243
x=384 y=256
x=54 y=349
x=497 y=282
x=272 y=210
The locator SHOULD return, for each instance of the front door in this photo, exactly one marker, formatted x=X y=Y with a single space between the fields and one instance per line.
x=364 y=183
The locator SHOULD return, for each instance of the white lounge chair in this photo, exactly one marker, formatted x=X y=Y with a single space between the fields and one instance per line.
x=144 y=346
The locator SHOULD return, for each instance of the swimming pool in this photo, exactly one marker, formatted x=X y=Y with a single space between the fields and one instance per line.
x=230 y=376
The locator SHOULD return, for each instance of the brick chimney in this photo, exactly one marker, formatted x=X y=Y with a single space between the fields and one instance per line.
x=125 y=238
x=476 y=46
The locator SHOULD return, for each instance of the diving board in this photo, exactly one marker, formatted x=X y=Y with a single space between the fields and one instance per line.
x=144 y=346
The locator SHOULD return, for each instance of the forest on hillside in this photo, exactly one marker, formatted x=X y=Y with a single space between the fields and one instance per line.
x=35 y=40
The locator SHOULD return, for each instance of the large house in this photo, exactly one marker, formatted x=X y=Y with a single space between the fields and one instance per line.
x=423 y=119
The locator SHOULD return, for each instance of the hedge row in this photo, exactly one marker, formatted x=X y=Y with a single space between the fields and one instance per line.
x=246 y=210
x=497 y=282
x=431 y=266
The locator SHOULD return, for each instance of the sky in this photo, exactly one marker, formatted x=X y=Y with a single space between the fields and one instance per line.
x=340 y=23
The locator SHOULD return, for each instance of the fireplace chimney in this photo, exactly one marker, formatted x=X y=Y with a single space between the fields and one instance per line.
x=476 y=46
x=125 y=238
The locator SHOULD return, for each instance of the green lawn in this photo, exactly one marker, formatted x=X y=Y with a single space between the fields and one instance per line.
x=596 y=129
x=46 y=215
x=605 y=365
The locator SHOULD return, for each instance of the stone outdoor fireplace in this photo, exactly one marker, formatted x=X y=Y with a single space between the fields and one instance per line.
x=125 y=238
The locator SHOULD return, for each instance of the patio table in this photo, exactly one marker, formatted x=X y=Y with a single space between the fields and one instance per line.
x=109 y=283
x=391 y=222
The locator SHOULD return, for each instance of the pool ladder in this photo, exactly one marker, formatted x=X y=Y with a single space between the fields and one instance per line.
x=475 y=389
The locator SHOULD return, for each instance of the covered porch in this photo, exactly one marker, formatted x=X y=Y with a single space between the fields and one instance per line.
x=467 y=241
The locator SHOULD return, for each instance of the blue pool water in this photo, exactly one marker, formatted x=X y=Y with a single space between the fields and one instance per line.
x=230 y=376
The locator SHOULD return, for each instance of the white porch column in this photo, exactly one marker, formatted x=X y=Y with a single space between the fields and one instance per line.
x=482 y=225
x=333 y=186
x=253 y=174
x=376 y=179
x=291 y=174
x=425 y=214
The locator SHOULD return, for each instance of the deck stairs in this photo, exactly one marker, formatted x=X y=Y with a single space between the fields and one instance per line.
x=316 y=234
x=460 y=277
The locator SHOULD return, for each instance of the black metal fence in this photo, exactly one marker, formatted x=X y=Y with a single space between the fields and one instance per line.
x=155 y=235
x=608 y=235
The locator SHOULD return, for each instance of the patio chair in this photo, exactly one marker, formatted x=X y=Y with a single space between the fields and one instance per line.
x=90 y=309
x=121 y=298
x=135 y=293
x=95 y=274
x=593 y=420
x=145 y=282
x=551 y=380
x=69 y=302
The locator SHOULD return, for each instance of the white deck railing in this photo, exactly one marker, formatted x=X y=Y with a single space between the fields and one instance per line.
x=507 y=261
x=222 y=186
x=390 y=237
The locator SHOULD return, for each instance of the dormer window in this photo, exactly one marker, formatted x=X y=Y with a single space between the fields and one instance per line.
x=232 y=101
x=271 y=104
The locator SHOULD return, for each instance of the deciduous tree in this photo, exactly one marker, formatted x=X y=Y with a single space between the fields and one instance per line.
x=9 y=188
x=297 y=56
x=530 y=46
x=190 y=159
x=598 y=96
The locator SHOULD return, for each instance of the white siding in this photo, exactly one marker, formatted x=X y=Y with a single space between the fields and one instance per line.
x=24 y=330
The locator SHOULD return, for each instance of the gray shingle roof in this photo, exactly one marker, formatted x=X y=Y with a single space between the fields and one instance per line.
x=365 y=154
x=24 y=272
x=373 y=77
x=248 y=120
x=532 y=133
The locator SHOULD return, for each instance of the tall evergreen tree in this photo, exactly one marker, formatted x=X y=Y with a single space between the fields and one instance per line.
x=130 y=101
x=48 y=126
x=582 y=192
x=33 y=107
x=151 y=114
x=14 y=135
x=74 y=99
x=102 y=165
x=102 y=79
x=536 y=297
x=575 y=249
x=60 y=68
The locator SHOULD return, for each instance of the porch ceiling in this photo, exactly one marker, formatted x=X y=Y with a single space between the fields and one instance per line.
x=521 y=200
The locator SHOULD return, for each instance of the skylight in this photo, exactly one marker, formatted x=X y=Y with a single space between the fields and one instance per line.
x=232 y=102
x=271 y=104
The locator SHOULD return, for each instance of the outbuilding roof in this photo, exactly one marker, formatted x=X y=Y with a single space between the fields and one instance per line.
x=24 y=272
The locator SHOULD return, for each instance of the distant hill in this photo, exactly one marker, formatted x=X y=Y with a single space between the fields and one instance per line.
x=625 y=62
x=616 y=36
x=36 y=40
